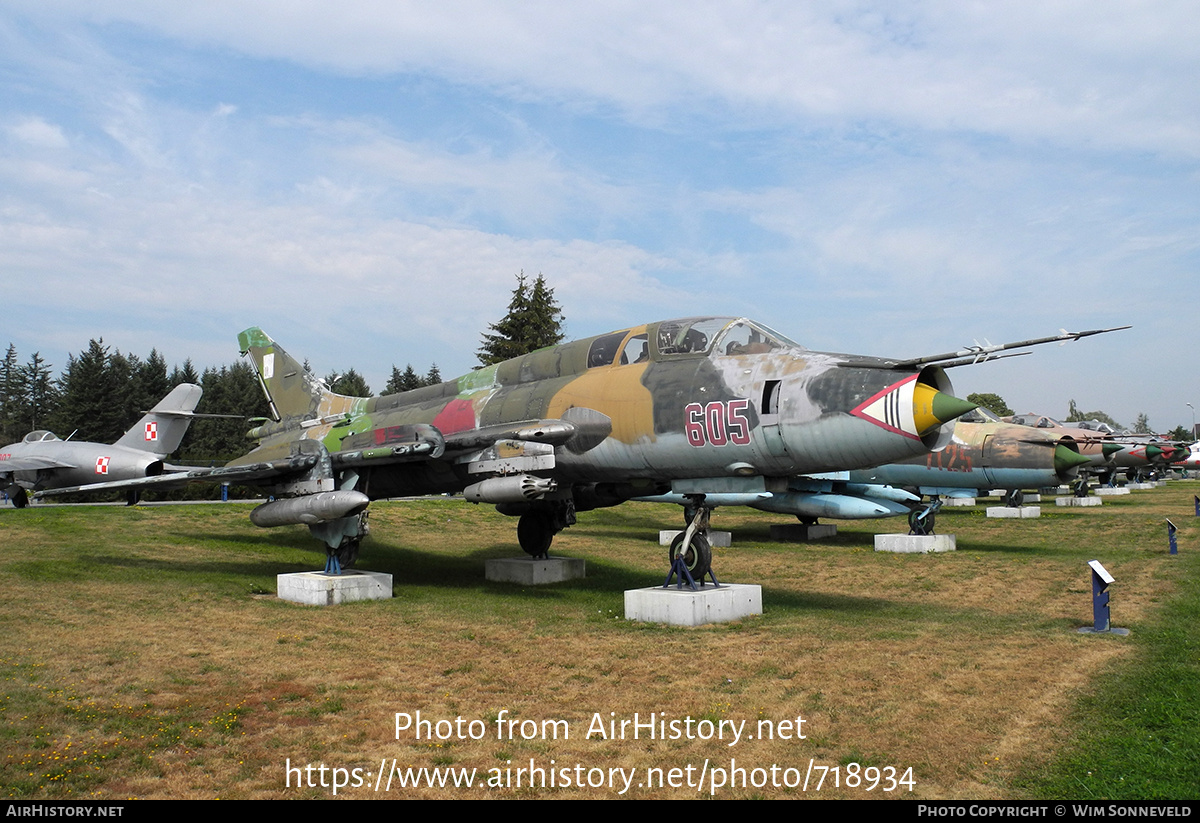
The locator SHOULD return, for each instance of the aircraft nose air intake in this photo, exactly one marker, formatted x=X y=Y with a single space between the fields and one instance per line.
x=1066 y=459
x=932 y=408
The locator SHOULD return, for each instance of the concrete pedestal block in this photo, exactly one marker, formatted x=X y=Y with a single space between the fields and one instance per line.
x=915 y=543
x=532 y=572
x=1078 y=501
x=1113 y=492
x=800 y=533
x=1140 y=486
x=684 y=607
x=1064 y=490
x=721 y=539
x=1021 y=512
x=1032 y=498
x=321 y=589
x=957 y=502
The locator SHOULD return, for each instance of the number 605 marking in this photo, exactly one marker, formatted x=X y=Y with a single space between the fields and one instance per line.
x=719 y=423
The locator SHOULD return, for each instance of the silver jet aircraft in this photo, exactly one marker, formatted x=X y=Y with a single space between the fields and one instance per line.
x=43 y=461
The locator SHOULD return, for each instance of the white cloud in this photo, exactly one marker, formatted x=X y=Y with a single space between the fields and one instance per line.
x=37 y=132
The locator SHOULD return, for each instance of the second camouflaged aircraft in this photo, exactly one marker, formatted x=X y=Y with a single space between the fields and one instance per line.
x=694 y=406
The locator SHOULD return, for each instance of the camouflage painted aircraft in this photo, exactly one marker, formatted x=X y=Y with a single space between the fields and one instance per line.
x=983 y=453
x=1110 y=452
x=697 y=406
x=42 y=461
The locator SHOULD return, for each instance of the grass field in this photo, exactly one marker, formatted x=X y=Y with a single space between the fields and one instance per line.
x=144 y=655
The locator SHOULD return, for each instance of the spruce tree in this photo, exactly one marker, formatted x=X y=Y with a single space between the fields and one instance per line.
x=534 y=321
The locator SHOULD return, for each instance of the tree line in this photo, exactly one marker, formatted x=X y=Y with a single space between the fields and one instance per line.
x=102 y=391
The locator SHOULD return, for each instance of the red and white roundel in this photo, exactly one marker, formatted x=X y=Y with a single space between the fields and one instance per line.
x=102 y=465
x=151 y=431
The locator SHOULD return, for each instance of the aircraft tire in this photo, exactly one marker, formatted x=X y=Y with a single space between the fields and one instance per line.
x=347 y=553
x=20 y=499
x=535 y=533
x=1015 y=498
x=698 y=557
x=920 y=525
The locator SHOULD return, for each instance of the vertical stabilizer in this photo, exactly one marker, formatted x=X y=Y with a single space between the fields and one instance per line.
x=291 y=389
x=163 y=427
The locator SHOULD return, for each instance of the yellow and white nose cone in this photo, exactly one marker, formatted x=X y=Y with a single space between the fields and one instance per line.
x=932 y=408
x=911 y=408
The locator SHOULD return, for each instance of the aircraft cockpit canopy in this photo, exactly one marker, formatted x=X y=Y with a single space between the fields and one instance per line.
x=693 y=335
x=732 y=336
x=40 y=436
x=980 y=415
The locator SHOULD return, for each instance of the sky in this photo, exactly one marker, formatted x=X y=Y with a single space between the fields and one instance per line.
x=364 y=180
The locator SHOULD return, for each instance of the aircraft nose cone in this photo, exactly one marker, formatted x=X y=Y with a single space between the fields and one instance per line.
x=1066 y=459
x=1110 y=449
x=932 y=408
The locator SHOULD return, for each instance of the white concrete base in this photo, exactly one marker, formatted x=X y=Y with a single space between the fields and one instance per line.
x=957 y=502
x=320 y=589
x=1140 y=486
x=1078 y=501
x=1032 y=498
x=1065 y=490
x=532 y=572
x=684 y=607
x=1104 y=491
x=915 y=543
x=800 y=533
x=721 y=539
x=1021 y=512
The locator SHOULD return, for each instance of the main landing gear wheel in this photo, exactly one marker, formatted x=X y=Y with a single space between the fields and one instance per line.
x=1015 y=498
x=535 y=533
x=920 y=525
x=20 y=499
x=697 y=557
x=347 y=553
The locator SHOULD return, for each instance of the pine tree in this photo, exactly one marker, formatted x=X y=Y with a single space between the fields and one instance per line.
x=351 y=383
x=403 y=381
x=434 y=377
x=534 y=321
x=40 y=393
x=90 y=404
x=12 y=396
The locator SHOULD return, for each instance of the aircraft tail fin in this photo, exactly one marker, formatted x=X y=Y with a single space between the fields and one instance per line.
x=291 y=389
x=162 y=428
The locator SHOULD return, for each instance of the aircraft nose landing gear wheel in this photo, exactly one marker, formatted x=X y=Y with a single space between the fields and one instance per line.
x=920 y=522
x=697 y=557
x=535 y=533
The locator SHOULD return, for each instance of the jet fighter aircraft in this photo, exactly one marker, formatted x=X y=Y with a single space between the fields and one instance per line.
x=43 y=461
x=694 y=406
x=984 y=453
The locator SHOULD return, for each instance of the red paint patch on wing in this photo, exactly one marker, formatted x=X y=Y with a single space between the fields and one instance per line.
x=459 y=415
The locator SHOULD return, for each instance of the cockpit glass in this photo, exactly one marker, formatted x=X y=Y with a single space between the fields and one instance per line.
x=746 y=338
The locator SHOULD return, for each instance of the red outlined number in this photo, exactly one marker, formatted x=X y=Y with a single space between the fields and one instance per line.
x=719 y=423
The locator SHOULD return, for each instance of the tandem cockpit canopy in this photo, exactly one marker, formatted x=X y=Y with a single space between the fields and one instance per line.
x=689 y=336
x=40 y=436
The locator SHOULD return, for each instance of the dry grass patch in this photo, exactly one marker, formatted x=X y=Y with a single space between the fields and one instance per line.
x=141 y=636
